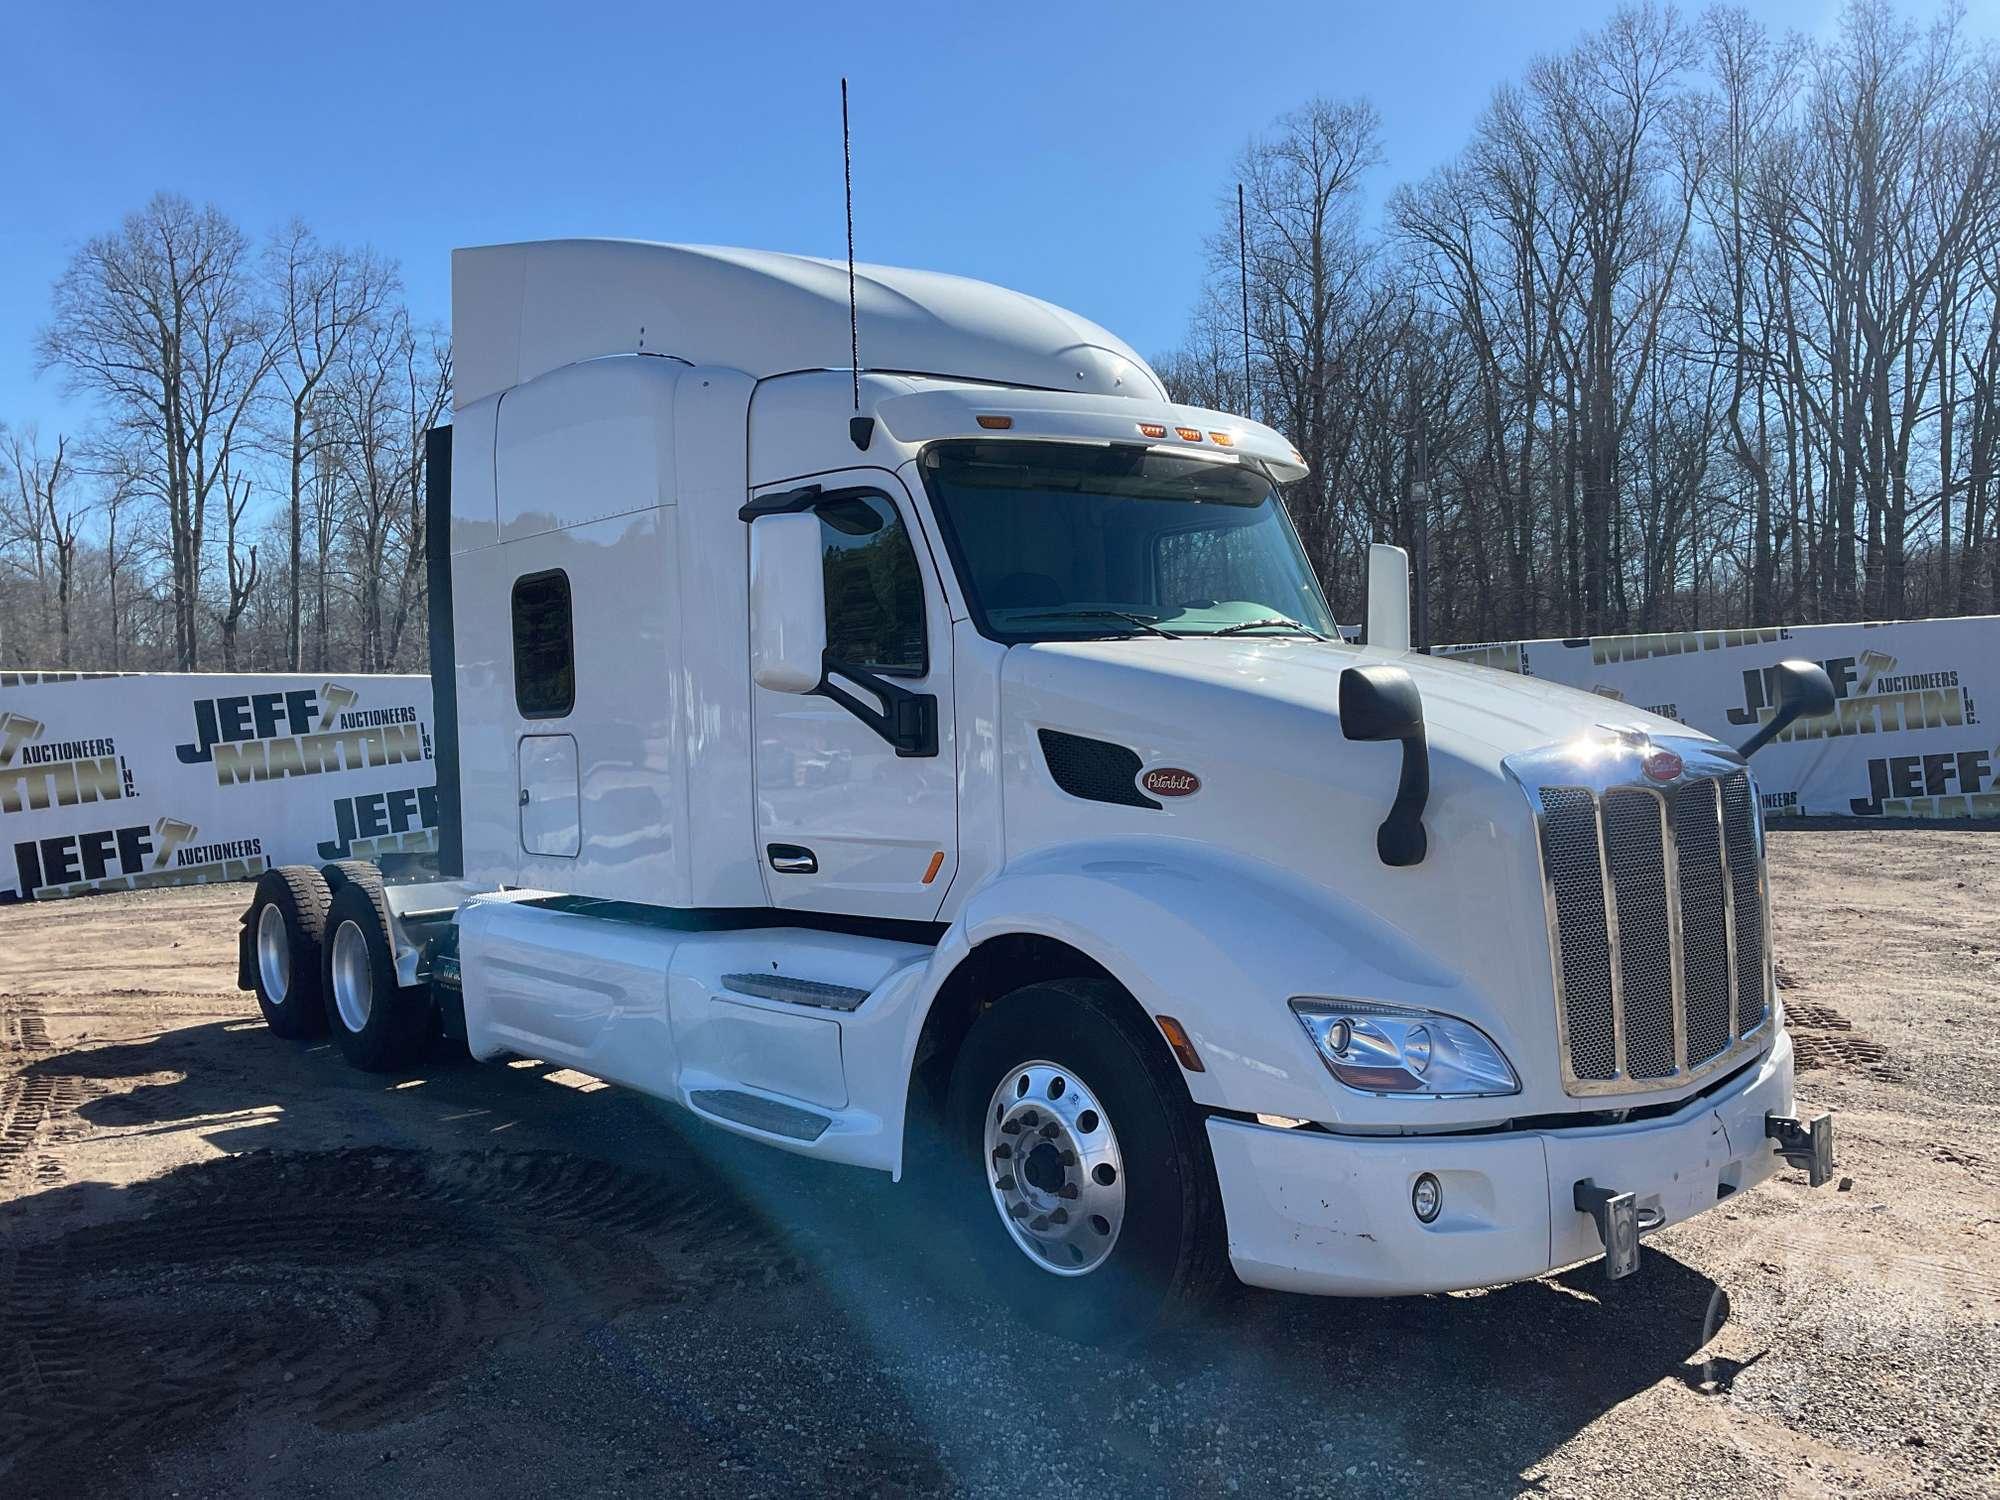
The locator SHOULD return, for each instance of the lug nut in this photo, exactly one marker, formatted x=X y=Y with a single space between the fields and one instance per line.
x=1006 y=1184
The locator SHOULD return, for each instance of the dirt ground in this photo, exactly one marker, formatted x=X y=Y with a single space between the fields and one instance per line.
x=231 y=1266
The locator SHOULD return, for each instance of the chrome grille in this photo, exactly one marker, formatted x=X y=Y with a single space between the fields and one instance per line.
x=1569 y=852
x=1697 y=827
x=1739 y=827
x=1637 y=855
x=1655 y=900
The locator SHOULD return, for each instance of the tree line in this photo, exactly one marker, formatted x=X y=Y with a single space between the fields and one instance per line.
x=250 y=494
x=1701 y=328
x=1698 y=329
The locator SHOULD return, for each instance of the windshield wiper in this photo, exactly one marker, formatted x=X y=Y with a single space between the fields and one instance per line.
x=1272 y=623
x=1101 y=614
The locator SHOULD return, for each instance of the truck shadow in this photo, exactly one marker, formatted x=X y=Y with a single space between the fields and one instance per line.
x=365 y=1251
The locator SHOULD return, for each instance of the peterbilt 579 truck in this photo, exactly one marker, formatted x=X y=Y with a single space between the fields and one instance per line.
x=945 y=760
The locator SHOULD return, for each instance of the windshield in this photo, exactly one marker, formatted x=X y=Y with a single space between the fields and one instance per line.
x=1063 y=540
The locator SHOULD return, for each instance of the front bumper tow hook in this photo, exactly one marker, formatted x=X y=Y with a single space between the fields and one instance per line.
x=1804 y=1143
x=1617 y=1218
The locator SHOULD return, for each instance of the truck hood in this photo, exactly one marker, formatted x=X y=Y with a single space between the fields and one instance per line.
x=1488 y=714
x=1271 y=784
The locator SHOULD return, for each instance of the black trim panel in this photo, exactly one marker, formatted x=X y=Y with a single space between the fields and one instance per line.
x=443 y=652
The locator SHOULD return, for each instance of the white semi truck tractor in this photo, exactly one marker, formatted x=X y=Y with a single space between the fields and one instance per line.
x=952 y=765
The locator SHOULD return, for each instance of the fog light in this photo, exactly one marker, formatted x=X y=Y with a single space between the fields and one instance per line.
x=1427 y=1198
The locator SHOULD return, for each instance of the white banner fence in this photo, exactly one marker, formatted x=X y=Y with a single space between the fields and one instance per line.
x=116 y=782
x=112 y=782
x=1907 y=737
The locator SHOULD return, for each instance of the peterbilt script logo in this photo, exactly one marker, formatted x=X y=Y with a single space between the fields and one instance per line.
x=1170 y=781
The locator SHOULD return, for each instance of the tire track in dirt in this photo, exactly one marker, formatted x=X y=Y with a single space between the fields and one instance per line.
x=346 y=1287
x=30 y=1101
x=1823 y=1038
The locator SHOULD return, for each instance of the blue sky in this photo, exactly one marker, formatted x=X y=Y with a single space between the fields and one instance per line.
x=1079 y=152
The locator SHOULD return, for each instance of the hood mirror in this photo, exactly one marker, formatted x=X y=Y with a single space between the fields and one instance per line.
x=1804 y=691
x=1382 y=703
x=1388 y=597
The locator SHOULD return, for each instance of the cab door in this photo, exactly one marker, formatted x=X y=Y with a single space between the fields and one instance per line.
x=853 y=817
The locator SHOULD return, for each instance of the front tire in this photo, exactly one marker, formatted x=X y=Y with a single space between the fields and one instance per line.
x=1087 y=1182
x=287 y=929
x=379 y=1026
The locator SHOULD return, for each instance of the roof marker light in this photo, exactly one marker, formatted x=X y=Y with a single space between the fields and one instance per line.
x=1189 y=434
x=1226 y=439
x=1153 y=429
x=996 y=424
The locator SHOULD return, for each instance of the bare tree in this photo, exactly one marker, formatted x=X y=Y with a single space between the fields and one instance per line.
x=159 y=322
x=323 y=295
x=45 y=517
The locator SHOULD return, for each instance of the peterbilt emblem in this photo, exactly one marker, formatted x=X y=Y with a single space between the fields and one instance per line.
x=1662 y=765
x=1170 y=781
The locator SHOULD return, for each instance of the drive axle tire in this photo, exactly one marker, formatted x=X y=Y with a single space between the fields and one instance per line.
x=287 y=927
x=379 y=1026
x=1087 y=1184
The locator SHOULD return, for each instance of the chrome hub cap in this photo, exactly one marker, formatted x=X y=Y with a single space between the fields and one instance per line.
x=353 y=977
x=274 y=955
x=1053 y=1163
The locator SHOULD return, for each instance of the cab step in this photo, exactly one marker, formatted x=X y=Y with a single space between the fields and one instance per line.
x=759 y=1113
x=809 y=992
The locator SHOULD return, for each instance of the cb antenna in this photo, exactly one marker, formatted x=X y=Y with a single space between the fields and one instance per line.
x=1243 y=280
x=859 y=428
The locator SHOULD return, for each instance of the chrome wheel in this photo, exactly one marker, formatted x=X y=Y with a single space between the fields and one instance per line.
x=274 y=954
x=1053 y=1163
x=353 y=976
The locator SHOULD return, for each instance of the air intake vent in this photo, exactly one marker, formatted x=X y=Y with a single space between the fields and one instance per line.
x=1095 y=770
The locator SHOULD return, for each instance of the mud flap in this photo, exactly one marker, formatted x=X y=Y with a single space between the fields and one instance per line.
x=1804 y=1143
x=1617 y=1218
x=246 y=953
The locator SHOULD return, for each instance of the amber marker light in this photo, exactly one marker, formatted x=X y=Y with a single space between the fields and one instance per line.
x=1189 y=434
x=1177 y=1038
x=996 y=424
x=1225 y=439
x=937 y=863
x=1153 y=429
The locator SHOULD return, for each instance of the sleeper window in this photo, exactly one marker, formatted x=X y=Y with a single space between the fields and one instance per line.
x=544 y=646
x=874 y=589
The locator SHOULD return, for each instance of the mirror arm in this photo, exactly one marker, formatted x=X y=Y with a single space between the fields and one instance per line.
x=1774 y=726
x=1382 y=703
x=911 y=723
x=1401 y=839
x=781 y=503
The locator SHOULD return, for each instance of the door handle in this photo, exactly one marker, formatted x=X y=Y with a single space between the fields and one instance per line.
x=524 y=796
x=792 y=859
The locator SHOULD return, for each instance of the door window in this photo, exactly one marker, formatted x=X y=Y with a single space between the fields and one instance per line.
x=874 y=588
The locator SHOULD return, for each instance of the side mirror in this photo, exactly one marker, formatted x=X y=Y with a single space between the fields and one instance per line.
x=1388 y=597
x=1382 y=703
x=787 y=602
x=1804 y=692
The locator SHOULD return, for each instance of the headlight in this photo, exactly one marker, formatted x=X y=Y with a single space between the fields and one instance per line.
x=1388 y=1049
